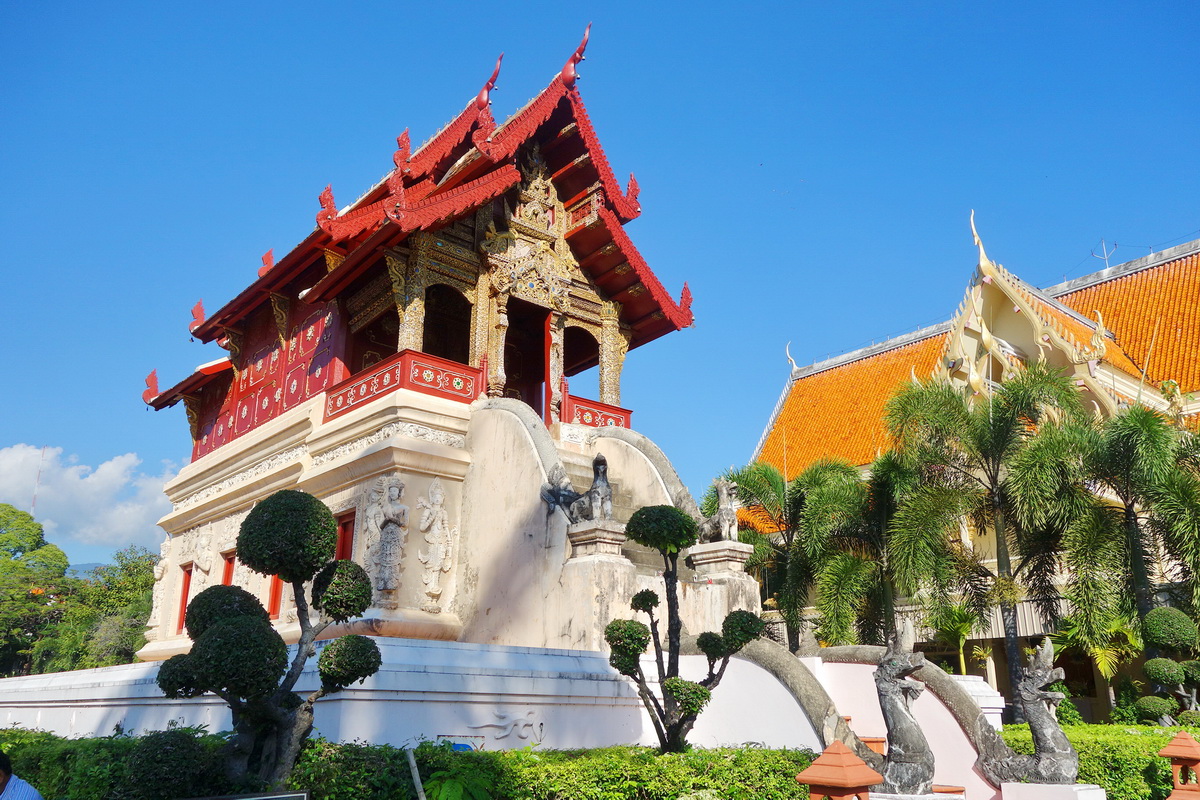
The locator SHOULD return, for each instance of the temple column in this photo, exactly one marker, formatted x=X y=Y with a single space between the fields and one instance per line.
x=556 y=323
x=408 y=291
x=614 y=344
x=499 y=314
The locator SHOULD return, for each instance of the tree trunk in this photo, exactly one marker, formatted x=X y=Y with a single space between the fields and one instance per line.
x=674 y=623
x=1142 y=591
x=1008 y=611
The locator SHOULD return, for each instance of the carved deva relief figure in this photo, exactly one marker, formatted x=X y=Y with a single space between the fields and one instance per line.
x=438 y=558
x=387 y=530
x=160 y=573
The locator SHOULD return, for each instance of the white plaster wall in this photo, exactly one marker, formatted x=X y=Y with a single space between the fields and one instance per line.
x=852 y=689
x=494 y=697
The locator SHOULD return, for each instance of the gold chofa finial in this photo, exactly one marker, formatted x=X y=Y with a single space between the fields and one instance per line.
x=983 y=259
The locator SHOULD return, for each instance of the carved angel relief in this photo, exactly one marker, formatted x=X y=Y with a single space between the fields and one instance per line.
x=387 y=534
x=438 y=557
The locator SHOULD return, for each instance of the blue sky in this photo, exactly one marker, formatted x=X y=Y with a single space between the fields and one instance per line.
x=808 y=168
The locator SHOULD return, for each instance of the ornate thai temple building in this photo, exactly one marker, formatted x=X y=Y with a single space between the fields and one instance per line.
x=1129 y=333
x=408 y=363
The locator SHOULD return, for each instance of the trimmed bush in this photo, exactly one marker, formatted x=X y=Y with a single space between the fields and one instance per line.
x=712 y=645
x=692 y=697
x=1189 y=718
x=1167 y=628
x=170 y=764
x=342 y=590
x=1152 y=708
x=1164 y=671
x=348 y=659
x=740 y=628
x=220 y=604
x=290 y=534
x=663 y=528
x=244 y=657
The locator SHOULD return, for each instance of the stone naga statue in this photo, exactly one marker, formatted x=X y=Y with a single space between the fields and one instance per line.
x=723 y=524
x=594 y=504
x=1054 y=760
x=908 y=767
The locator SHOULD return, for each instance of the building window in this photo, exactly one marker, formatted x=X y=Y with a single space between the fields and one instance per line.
x=185 y=588
x=276 y=598
x=230 y=560
x=345 y=537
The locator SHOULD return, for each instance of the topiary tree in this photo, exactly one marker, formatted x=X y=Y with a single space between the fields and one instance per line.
x=1167 y=629
x=669 y=531
x=1155 y=709
x=237 y=655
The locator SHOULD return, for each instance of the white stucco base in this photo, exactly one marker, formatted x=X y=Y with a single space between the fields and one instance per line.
x=490 y=696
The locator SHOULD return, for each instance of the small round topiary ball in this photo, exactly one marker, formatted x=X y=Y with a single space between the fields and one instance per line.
x=712 y=645
x=646 y=600
x=740 y=628
x=627 y=638
x=1152 y=708
x=1189 y=718
x=1167 y=628
x=177 y=677
x=1164 y=671
x=663 y=528
x=290 y=534
x=219 y=604
x=348 y=659
x=342 y=589
x=243 y=657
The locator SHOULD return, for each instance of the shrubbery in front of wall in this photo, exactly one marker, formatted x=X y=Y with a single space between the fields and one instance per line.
x=125 y=767
x=1123 y=760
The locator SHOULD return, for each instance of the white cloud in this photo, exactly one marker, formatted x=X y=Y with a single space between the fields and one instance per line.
x=111 y=505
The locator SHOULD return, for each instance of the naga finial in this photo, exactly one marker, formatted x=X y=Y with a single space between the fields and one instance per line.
x=482 y=100
x=787 y=350
x=568 y=73
x=151 y=387
x=983 y=259
x=197 y=316
x=403 y=151
x=268 y=261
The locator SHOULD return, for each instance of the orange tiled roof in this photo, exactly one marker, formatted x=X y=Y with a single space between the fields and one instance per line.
x=1075 y=331
x=839 y=412
x=1166 y=295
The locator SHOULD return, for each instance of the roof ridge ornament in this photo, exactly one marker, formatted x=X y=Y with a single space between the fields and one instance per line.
x=984 y=261
x=197 y=316
x=568 y=74
x=151 y=387
x=268 y=262
x=403 y=152
x=329 y=211
x=482 y=100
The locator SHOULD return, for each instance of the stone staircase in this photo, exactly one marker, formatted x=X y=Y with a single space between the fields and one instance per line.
x=646 y=560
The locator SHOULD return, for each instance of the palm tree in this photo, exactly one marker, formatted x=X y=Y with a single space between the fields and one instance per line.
x=953 y=624
x=775 y=505
x=963 y=445
x=847 y=537
x=1117 y=643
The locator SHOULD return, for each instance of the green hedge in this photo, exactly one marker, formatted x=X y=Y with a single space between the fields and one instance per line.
x=102 y=769
x=366 y=772
x=1122 y=758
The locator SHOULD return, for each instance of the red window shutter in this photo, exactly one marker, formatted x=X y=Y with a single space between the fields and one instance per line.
x=276 y=598
x=345 y=538
x=227 y=572
x=185 y=588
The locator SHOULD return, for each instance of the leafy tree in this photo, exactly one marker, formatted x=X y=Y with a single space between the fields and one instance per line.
x=103 y=621
x=237 y=655
x=669 y=531
x=965 y=446
x=33 y=584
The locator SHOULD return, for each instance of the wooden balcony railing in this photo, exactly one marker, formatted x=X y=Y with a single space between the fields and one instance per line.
x=408 y=369
x=579 y=411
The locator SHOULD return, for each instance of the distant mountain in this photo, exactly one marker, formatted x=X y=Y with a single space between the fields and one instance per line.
x=81 y=570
